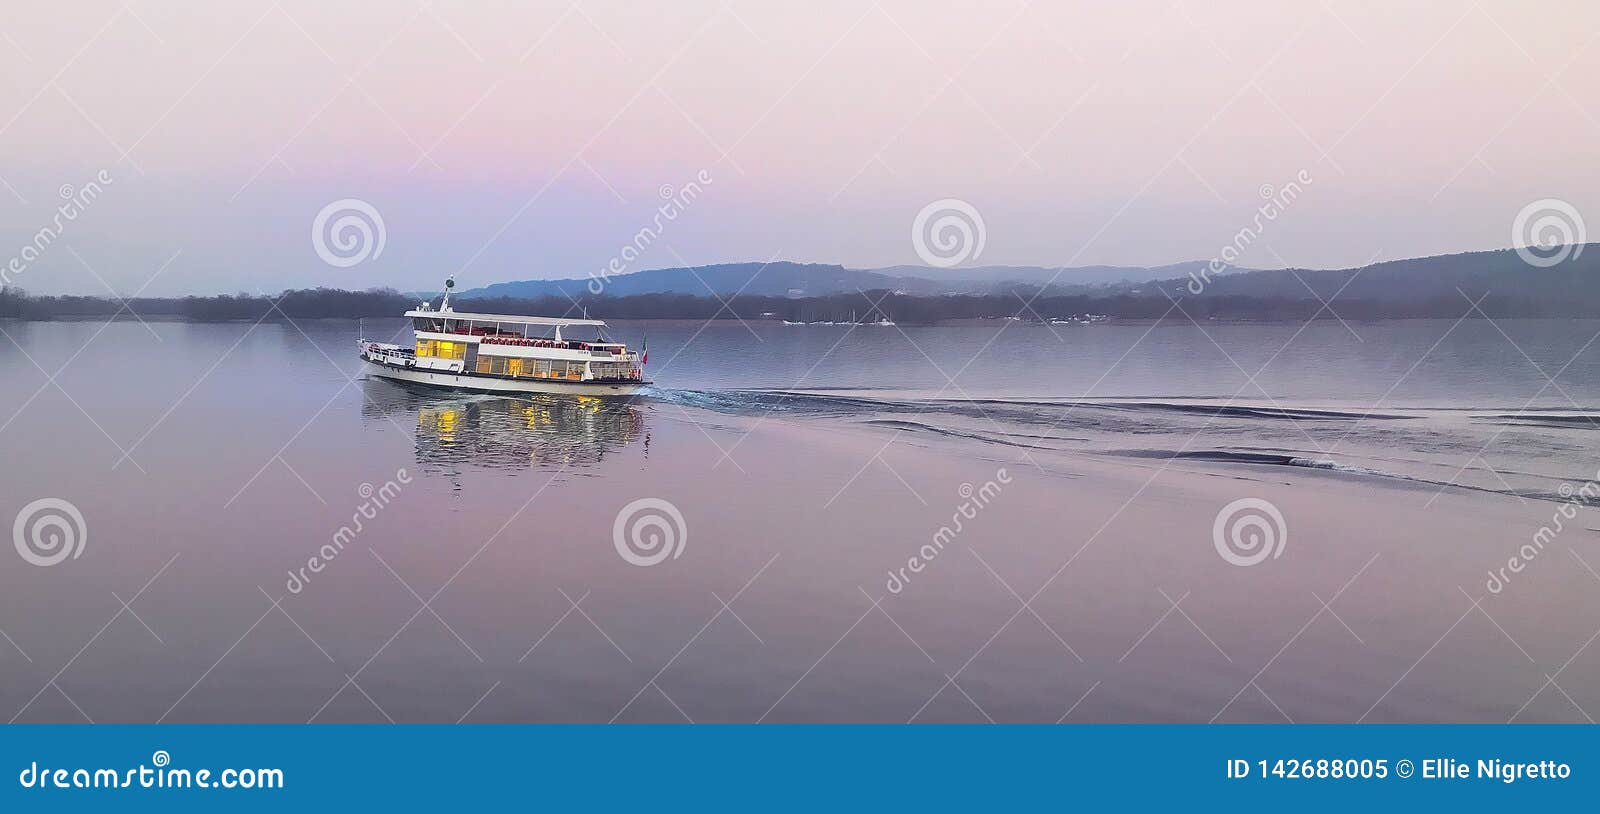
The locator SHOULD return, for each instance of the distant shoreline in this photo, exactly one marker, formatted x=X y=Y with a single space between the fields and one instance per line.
x=734 y=321
x=1500 y=284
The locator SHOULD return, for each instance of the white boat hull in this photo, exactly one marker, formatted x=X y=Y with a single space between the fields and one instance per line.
x=495 y=384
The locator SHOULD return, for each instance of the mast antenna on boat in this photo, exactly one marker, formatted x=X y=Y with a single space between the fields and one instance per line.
x=449 y=283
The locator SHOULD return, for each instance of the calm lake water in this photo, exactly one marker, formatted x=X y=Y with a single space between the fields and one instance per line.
x=1080 y=473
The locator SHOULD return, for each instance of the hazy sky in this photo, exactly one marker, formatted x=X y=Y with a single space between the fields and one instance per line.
x=509 y=140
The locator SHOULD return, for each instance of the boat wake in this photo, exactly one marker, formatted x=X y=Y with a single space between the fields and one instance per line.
x=1555 y=495
x=1010 y=439
x=1578 y=420
x=1445 y=447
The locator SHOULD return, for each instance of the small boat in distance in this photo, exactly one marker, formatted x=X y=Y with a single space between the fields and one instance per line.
x=501 y=353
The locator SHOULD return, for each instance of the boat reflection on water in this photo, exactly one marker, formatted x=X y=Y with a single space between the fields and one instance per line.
x=454 y=431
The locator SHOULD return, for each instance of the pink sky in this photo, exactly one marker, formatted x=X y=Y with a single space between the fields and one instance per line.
x=499 y=141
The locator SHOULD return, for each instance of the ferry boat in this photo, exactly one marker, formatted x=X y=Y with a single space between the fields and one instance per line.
x=502 y=353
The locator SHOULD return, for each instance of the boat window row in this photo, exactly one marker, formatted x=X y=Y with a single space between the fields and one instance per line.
x=613 y=370
x=442 y=349
x=464 y=326
x=512 y=334
x=533 y=368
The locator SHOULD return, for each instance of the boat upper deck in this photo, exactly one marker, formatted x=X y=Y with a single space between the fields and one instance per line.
x=506 y=319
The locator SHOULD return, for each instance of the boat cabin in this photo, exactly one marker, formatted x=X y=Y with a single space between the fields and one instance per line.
x=520 y=346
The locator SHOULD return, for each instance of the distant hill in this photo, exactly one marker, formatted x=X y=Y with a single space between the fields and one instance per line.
x=1424 y=286
x=776 y=279
x=983 y=278
x=1572 y=286
x=784 y=278
x=1500 y=282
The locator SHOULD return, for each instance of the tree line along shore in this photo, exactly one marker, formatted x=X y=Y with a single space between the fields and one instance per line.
x=867 y=306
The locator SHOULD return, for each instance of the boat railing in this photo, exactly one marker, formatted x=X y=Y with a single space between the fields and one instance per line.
x=524 y=342
x=534 y=343
x=374 y=349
